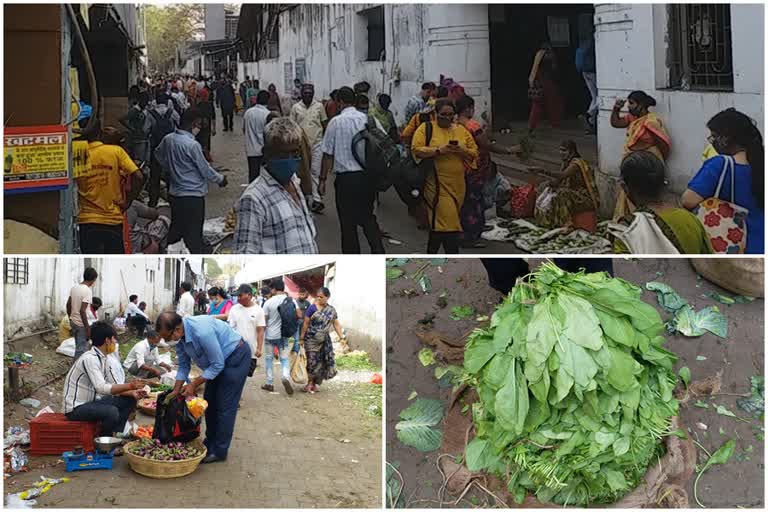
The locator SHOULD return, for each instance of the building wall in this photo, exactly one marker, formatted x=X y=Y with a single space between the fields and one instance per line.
x=358 y=294
x=631 y=48
x=422 y=42
x=44 y=299
x=214 y=22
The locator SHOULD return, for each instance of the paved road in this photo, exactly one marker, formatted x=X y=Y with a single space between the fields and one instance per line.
x=228 y=151
x=287 y=453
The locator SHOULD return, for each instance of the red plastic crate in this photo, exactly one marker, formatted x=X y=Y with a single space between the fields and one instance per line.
x=54 y=434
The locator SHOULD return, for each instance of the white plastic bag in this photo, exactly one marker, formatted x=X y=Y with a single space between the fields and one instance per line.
x=165 y=358
x=545 y=200
x=67 y=347
x=168 y=378
x=177 y=248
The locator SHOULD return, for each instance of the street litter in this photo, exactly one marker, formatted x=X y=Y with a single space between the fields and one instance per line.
x=16 y=436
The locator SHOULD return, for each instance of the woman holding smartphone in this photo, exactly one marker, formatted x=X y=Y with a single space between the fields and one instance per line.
x=453 y=151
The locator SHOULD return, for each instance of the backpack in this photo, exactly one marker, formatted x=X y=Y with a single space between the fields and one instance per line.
x=163 y=126
x=409 y=184
x=289 y=324
x=382 y=156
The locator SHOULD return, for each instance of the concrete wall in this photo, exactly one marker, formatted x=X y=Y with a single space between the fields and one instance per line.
x=44 y=299
x=358 y=291
x=214 y=22
x=422 y=41
x=631 y=47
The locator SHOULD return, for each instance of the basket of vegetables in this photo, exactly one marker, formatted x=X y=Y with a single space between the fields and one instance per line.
x=153 y=459
x=148 y=406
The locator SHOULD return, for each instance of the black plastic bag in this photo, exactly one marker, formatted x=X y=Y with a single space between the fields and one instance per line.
x=173 y=421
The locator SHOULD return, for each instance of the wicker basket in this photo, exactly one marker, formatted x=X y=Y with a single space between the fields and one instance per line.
x=149 y=411
x=163 y=469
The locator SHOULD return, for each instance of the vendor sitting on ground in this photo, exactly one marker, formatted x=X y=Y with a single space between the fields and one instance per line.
x=657 y=226
x=225 y=359
x=91 y=391
x=143 y=360
x=135 y=318
x=576 y=190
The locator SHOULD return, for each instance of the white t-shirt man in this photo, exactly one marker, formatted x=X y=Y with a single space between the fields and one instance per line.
x=274 y=322
x=79 y=294
x=254 y=121
x=186 y=307
x=132 y=310
x=245 y=320
x=142 y=353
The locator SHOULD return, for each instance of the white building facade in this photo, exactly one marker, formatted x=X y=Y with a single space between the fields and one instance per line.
x=36 y=289
x=640 y=47
x=394 y=47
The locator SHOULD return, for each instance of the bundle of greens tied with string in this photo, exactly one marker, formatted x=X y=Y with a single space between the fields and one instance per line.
x=575 y=388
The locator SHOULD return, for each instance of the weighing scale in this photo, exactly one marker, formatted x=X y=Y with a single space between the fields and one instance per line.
x=78 y=460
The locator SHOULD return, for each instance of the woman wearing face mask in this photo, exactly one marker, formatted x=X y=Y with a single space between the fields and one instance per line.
x=473 y=209
x=577 y=197
x=454 y=152
x=220 y=303
x=657 y=226
x=272 y=213
x=645 y=132
x=319 y=319
x=734 y=135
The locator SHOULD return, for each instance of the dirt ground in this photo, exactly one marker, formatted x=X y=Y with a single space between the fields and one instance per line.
x=739 y=483
x=305 y=451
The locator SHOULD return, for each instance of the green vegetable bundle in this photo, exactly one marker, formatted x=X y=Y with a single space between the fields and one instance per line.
x=575 y=388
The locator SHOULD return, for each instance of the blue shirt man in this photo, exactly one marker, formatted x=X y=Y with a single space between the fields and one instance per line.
x=226 y=362
x=189 y=173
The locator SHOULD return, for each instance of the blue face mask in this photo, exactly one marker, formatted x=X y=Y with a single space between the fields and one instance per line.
x=283 y=169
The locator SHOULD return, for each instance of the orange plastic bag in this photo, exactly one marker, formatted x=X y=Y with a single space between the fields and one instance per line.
x=377 y=379
x=197 y=407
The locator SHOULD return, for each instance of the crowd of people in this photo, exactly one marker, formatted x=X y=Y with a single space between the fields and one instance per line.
x=293 y=146
x=224 y=340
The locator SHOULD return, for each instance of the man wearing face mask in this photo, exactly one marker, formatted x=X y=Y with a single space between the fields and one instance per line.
x=354 y=193
x=225 y=359
x=188 y=176
x=91 y=388
x=272 y=213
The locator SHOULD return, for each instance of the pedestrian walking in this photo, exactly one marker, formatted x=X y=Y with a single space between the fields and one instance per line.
x=354 y=192
x=225 y=97
x=254 y=121
x=310 y=115
x=188 y=175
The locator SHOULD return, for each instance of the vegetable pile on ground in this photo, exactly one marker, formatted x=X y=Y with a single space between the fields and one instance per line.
x=153 y=449
x=144 y=432
x=161 y=388
x=575 y=388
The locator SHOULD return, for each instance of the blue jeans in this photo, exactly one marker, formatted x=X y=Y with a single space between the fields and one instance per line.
x=223 y=397
x=269 y=351
x=296 y=339
x=111 y=411
x=81 y=340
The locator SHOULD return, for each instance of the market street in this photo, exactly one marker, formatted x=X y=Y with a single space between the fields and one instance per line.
x=228 y=152
x=304 y=451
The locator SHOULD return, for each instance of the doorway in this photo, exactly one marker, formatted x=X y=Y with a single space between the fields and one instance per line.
x=515 y=33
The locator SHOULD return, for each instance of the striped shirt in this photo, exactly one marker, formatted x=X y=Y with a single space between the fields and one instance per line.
x=90 y=378
x=338 y=140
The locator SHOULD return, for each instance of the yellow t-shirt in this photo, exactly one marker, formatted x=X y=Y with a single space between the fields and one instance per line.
x=100 y=190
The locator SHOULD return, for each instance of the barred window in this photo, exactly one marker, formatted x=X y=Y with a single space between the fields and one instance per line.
x=16 y=270
x=700 y=47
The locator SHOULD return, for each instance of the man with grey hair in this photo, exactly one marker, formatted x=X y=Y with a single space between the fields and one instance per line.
x=272 y=213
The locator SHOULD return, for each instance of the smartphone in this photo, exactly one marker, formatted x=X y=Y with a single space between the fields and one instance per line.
x=453 y=142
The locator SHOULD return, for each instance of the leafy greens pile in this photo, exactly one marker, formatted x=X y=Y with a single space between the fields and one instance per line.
x=575 y=388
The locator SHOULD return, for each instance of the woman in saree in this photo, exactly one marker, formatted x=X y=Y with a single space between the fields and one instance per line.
x=319 y=319
x=645 y=132
x=220 y=303
x=473 y=210
x=576 y=190
x=453 y=150
x=542 y=88
x=656 y=226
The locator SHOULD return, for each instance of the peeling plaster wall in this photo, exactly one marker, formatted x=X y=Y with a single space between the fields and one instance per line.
x=631 y=48
x=422 y=41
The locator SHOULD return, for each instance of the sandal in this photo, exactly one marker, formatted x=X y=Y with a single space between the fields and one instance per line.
x=306 y=389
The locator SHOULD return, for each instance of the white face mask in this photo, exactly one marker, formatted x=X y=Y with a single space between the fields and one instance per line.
x=195 y=131
x=162 y=109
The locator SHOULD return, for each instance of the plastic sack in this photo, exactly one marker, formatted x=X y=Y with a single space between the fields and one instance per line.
x=523 y=201
x=197 y=407
x=67 y=347
x=165 y=358
x=168 y=378
x=173 y=420
x=299 y=366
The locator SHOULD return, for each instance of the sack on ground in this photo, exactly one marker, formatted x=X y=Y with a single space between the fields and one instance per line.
x=67 y=348
x=523 y=200
x=299 y=366
x=173 y=420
